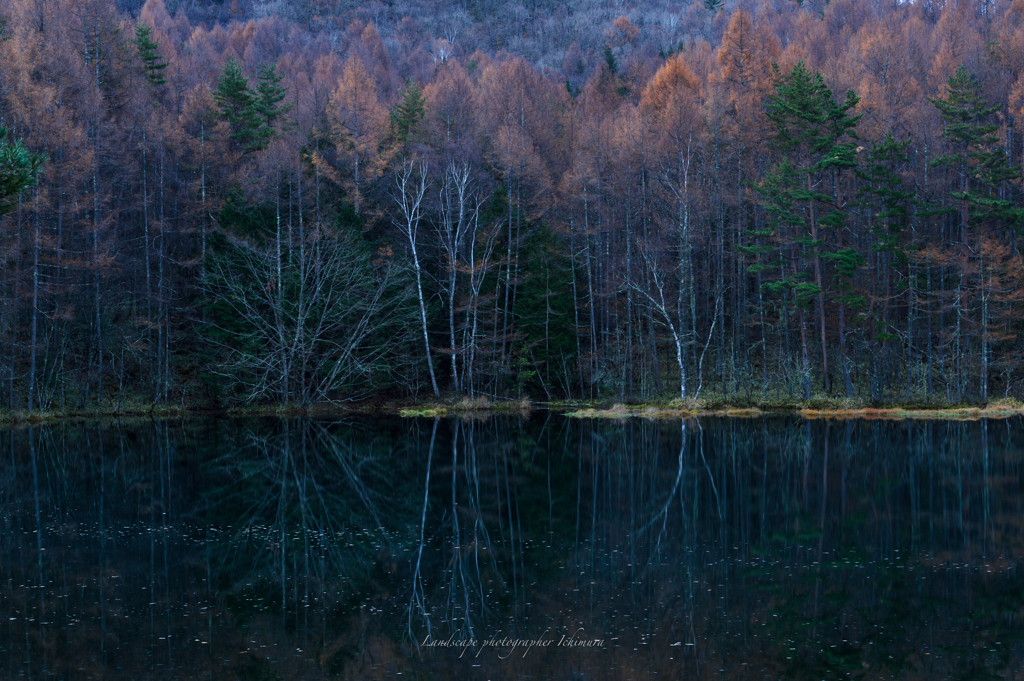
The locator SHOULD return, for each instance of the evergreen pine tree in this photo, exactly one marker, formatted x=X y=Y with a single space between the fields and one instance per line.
x=975 y=153
x=609 y=59
x=407 y=114
x=814 y=134
x=237 y=106
x=780 y=192
x=889 y=204
x=18 y=169
x=267 y=106
x=147 y=51
x=713 y=6
x=884 y=195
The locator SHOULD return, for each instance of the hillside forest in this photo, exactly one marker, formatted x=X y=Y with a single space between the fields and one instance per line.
x=318 y=201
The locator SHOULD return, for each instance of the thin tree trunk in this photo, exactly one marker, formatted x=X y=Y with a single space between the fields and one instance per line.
x=35 y=305
x=423 y=316
x=575 y=305
x=410 y=200
x=96 y=229
x=821 y=291
x=146 y=262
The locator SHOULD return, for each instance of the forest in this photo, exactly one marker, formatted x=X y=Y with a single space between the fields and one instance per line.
x=297 y=203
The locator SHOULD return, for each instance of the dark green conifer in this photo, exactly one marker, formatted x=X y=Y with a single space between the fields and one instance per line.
x=713 y=6
x=237 y=105
x=147 y=50
x=407 y=114
x=884 y=195
x=975 y=153
x=19 y=169
x=267 y=106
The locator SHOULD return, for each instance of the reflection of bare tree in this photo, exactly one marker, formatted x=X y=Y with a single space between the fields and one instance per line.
x=464 y=558
x=146 y=549
x=417 y=600
x=304 y=507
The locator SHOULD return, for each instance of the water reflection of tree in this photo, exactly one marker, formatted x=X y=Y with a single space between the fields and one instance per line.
x=774 y=547
x=97 y=502
x=847 y=584
x=794 y=549
x=308 y=510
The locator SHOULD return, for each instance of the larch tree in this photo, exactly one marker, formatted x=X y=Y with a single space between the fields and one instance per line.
x=358 y=121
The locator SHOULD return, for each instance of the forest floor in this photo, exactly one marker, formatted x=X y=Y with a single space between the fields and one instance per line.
x=713 y=405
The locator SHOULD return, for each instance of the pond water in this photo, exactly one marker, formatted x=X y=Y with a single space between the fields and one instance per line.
x=512 y=548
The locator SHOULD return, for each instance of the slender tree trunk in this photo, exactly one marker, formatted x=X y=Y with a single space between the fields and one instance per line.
x=15 y=306
x=805 y=359
x=930 y=384
x=590 y=295
x=410 y=200
x=356 y=198
x=202 y=197
x=575 y=305
x=628 y=364
x=985 y=293
x=964 y=209
x=821 y=291
x=146 y=265
x=423 y=316
x=35 y=305
x=284 y=358
x=847 y=382
x=508 y=269
x=911 y=314
x=451 y=328
x=96 y=226
x=162 y=328
x=843 y=356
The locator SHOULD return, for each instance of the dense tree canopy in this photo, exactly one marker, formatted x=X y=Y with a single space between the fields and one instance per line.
x=726 y=198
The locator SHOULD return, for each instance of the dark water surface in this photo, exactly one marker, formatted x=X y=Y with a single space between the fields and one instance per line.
x=725 y=548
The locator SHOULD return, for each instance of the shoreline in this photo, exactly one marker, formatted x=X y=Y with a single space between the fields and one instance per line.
x=483 y=408
x=866 y=413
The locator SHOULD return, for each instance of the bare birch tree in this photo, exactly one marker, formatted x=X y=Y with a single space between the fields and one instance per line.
x=408 y=193
x=455 y=221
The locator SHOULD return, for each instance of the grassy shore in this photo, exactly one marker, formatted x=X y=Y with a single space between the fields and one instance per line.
x=715 y=405
x=711 y=405
x=817 y=407
x=132 y=409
